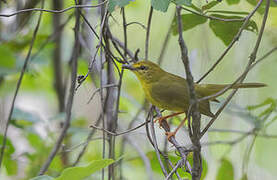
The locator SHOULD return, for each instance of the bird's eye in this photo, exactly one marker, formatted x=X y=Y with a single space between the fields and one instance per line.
x=143 y=67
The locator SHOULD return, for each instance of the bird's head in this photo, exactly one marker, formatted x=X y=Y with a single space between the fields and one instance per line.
x=146 y=71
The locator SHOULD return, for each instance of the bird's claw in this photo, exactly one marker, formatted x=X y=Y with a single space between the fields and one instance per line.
x=160 y=120
x=170 y=134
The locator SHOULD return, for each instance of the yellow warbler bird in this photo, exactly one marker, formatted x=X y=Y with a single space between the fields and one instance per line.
x=170 y=92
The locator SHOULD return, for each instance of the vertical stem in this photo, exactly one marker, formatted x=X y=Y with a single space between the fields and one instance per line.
x=195 y=137
x=124 y=33
x=111 y=102
x=148 y=33
x=103 y=13
x=119 y=88
x=57 y=62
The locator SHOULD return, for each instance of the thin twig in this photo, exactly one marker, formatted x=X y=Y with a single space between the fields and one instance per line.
x=235 y=39
x=19 y=84
x=98 y=90
x=172 y=140
x=121 y=45
x=213 y=17
x=120 y=133
x=156 y=146
x=52 y=11
x=138 y=23
x=179 y=163
x=93 y=59
x=247 y=154
x=148 y=32
x=124 y=31
x=249 y=66
x=89 y=137
x=84 y=144
x=109 y=34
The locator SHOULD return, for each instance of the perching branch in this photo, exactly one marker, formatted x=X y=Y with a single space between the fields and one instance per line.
x=195 y=138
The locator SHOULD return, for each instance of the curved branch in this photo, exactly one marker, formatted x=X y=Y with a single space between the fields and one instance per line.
x=52 y=11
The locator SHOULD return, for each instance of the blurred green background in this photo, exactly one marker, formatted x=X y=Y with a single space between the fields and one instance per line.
x=36 y=120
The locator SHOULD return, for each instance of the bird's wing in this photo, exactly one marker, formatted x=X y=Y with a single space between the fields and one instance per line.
x=170 y=93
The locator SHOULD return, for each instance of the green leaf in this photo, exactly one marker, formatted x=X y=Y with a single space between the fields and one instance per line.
x=35 y=141
x=266 y=102
x=267 y=111
x=7 y=58
x=226 y=31
x=225 y=171
x=209 y=5
x=20 y=42
x=11 y=166
x=113 y=4
x=205 y=168
x=9 y=150
x=189 y=21
x=183 y=2
x=160 y=5
x=21 y=118
x=78 y=173
x=7 y=61
x=231 y=2
x=196 y=8
x=8 y=162
x=43 y=177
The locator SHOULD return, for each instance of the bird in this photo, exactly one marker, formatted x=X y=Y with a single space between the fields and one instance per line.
x=170 y=92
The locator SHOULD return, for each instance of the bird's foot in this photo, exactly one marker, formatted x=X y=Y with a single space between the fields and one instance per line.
x=170 y=134
x=160 y=120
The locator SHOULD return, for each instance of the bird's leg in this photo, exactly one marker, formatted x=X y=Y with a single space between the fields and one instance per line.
x=170 y=134
x=160 y=119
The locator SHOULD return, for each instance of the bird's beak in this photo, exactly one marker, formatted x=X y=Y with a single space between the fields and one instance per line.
x=128 y=66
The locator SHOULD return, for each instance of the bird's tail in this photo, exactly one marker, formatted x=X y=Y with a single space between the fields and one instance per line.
x=210 y=89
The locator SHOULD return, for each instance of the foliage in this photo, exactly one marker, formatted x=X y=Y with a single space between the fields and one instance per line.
x=37 y=121
x=225 y=171
x=77 y=173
